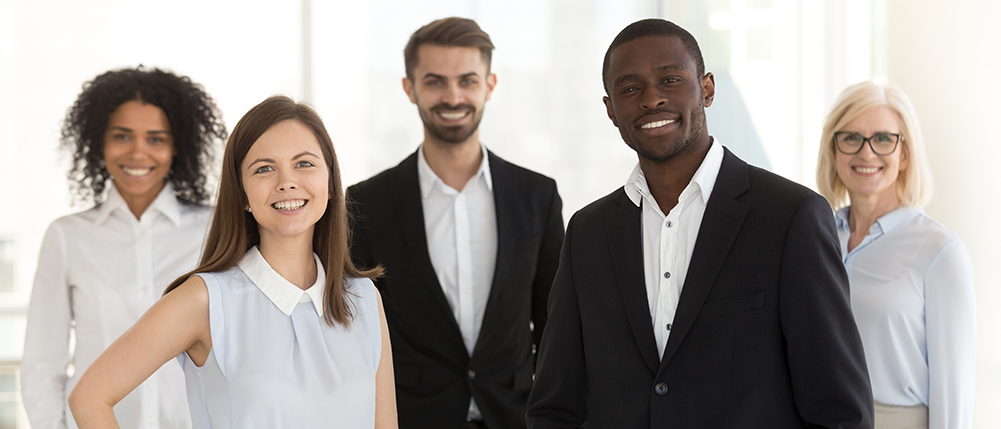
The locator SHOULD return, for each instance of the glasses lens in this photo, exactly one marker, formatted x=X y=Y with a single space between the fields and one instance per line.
x=884 y=143
x=848 y=142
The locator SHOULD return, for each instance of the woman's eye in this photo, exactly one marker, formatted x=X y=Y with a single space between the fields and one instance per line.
x=302 y=164
x=121 y=137
x=882 y=138
x=853 y=138
x=263 y=169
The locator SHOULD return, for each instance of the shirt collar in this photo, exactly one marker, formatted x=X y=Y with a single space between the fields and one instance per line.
x=885 y=223
x=165 y=203
x=428 y=180
x=705 y=177
x=281 y=292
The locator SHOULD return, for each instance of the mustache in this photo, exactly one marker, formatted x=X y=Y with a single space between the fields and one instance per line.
x=446 y=106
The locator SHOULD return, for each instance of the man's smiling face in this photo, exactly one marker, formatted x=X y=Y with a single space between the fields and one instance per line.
x=450 y=88
x=657 y=98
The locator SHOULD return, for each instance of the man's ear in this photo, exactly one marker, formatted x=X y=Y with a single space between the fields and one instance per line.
x=708 y=89
x=408 y=87
x=608 y=109
x=491 y=83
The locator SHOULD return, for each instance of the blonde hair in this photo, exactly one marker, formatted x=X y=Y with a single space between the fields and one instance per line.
x=914 y=187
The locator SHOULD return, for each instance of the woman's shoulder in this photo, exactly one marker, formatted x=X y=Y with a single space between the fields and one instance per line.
x=935 y=234
x=362 y=287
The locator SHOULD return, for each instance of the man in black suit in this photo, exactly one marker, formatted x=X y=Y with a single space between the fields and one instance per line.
x=470 y=244
x=705 y=293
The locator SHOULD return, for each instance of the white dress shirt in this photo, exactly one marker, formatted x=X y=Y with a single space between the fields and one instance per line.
x=98 y=271
x=275 y=362
x=668 y=240
x=461 y=228
x=913 y=298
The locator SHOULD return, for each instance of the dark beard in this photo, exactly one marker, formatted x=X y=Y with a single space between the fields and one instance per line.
x=453 y=134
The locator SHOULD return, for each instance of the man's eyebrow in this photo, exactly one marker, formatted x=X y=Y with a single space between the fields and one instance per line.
x=462 y=76
x=661 y=69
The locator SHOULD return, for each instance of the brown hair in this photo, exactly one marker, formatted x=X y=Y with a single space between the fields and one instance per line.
x=234 y=231
x=447 y=32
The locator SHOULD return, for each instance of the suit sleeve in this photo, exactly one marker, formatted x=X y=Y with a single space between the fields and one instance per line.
x=46 y=340
x=559 y=395
x=951 y=332
x=826 y=362
x=548 y=262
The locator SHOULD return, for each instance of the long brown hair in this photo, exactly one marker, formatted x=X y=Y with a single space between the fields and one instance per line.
x=234 y=231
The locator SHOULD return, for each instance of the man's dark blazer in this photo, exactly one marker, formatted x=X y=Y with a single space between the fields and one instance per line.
x=435 y=376
x=763 y=336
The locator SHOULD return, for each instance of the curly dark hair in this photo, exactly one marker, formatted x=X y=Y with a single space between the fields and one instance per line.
x=195 y=122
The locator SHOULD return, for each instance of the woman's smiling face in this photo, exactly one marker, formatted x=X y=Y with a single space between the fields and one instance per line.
x=286 y=181
x=865 y=173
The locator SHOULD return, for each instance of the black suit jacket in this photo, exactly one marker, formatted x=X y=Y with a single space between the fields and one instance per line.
x=435 y=376
x=763 y=336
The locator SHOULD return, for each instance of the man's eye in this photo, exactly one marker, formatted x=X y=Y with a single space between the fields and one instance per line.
x=629 y=89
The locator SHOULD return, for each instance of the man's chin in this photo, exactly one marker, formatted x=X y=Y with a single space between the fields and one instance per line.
x=453 y=135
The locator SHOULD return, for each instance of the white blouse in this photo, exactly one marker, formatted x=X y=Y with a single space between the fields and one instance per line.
x=98 y=271
x=275 y=362
x=912 y=294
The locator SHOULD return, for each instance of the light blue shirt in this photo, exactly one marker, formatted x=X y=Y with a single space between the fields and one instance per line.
x=275 y=362
x=912 y=294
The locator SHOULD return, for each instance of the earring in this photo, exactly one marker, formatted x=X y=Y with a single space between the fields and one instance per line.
x=249 y=210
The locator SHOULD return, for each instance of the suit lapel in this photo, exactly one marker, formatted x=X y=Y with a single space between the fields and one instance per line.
x=720 y=224
x=410 y=218
x=624 y=233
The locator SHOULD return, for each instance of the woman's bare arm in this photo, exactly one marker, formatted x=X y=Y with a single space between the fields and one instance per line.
x=385 y=384
x=178 y=322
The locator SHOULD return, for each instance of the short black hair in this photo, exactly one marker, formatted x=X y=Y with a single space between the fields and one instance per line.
x=195 y=123
x=653 y=27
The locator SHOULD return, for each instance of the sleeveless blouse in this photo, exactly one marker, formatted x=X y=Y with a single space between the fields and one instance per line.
x=275 y=362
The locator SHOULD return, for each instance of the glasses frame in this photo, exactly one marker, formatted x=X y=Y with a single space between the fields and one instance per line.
x=865 y=140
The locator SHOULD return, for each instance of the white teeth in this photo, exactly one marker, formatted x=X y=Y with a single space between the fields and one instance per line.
x=866 y=170
x=289 y=205
x=137 y=171
x=656 y=124
x=452 y=116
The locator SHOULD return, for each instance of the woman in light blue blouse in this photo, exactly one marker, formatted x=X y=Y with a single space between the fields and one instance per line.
x=276 y=328
x=911 y=278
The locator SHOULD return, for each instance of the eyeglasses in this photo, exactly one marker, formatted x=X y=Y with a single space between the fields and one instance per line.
x=850 y=143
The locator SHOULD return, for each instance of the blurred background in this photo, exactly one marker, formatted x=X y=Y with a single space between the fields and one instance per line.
x=779 y=64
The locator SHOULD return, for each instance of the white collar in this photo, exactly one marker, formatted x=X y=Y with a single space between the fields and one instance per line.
x=705 y=177
x=165 y=203
x=427 y=178
x=281 y=292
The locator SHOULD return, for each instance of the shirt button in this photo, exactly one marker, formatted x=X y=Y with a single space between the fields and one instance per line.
x=670 y=224
x=667 y=275
x=668 y=326
x=470 y=374
x=660 y=388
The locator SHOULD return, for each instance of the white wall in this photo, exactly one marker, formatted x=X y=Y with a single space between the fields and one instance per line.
x=946 y=56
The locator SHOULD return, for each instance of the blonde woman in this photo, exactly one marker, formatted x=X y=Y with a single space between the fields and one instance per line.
x=911 y=278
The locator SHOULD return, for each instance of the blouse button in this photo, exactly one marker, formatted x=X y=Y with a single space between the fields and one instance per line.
x=470 y=374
